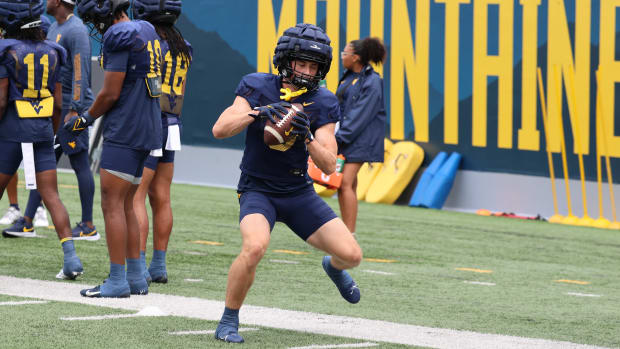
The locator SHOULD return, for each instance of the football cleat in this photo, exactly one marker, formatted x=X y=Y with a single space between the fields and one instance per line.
x=158 y=275
x=83 y=232
x=138 y=287
x=107 y=290
x=346 y=286
x=71 y=269
x=228 y=333
x=19 y=229
x=11 y=215
x=40 y=217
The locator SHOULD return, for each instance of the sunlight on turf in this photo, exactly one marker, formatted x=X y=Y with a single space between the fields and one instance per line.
x=210 y=243
x=577 y=282
x=475 y=270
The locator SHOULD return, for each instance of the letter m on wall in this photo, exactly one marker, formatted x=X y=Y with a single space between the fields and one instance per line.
x=268 y=33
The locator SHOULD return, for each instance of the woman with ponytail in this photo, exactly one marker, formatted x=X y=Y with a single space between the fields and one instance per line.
x=362 y=125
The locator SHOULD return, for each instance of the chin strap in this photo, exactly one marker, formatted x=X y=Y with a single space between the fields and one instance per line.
x=288 y=94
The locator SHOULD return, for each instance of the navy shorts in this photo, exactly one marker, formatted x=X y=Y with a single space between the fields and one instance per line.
x=304 y=212
x=125 y=163
x=167 y=155
x=11 y=156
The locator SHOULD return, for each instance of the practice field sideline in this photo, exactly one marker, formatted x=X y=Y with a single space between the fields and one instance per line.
x=423 y=270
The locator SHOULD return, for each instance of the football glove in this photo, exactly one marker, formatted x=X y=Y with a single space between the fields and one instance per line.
x=301 y=121
x=271 y=110
x=77 y=123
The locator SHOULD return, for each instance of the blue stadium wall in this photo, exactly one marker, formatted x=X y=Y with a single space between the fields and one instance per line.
x=460 y=74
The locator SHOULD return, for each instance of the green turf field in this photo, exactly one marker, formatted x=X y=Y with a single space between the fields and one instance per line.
x=434 y=256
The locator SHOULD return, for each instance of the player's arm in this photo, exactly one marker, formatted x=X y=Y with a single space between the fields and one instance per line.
x=57 y=106
x=323 y=148
x=4 y=95
x=234 y=119
x=80 y=61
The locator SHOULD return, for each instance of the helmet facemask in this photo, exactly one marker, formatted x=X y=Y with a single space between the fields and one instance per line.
x=301 y=80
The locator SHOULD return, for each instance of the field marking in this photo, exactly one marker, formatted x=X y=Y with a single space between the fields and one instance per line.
x=479 y=283
x=146 y=311
x=194 y=253
x=330 y=346
x=283 y=261
x=582 y=294
x=331 y=325
x=291 y=252
x=379 y=260
x=377 y=272
x=23 y=302
x=193 y=280
x=577 y=282
x=483 y=271
x=209 y=243
x=183 y=333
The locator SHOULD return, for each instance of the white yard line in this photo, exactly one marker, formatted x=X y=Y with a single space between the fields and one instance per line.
x=582 y=294
x=377 y=272
x=332 y=325
x=194 y=280
x=283 y=261
x=23 y=303
x=479 y=283
x=334 y=346
x=183 y=333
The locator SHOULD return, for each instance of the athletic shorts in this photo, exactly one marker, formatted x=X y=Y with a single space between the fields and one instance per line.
x=125 y=163
x=167 y=155
x=304 y=212
x=11 y=156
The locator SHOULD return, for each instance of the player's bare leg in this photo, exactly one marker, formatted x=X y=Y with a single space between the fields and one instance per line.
x=255 y=232
x=347 y=195
x=4 y=181
x=335 y=239
x=114 y=190
x=159 y=198
x=139 y=206
x=11 y=190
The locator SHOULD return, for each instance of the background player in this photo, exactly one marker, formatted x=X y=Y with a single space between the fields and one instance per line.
x=274 y=184
x=69 y=32
x=131 y=129
x=30 y=101
x=158 y=171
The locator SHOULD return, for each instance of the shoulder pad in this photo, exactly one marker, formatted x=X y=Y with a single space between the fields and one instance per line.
x=62 y=53
x=191 y=49
x=258 y=80
x=120 y=36
x=5 y=44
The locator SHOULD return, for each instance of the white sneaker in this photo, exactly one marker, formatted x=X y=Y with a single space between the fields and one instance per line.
x=40 y=217
x=11 y=215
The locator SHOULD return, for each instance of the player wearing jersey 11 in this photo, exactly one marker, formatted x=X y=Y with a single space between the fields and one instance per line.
x=274 y=184
x=30 y=101
x=158 y=170
x=129 y=99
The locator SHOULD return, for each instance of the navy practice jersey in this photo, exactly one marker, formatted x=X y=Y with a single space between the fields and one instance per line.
x=32 y=69
x=280 y=171
x=72 y=35
x=134 y=48
x=174 y=73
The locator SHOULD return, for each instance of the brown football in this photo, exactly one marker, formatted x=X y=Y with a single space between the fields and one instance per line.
x=280 y=132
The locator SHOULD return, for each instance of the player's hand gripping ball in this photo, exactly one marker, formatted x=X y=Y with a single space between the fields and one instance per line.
x=279 y=128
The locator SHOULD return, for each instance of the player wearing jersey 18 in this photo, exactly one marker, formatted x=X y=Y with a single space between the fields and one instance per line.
x=129 y=99
x=158 y=170
x=30 y=106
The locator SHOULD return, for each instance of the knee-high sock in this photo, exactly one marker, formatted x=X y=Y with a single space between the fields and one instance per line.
x=86 y=183
x=34 y=201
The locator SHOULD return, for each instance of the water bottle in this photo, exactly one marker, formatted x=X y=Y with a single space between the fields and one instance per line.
x=339 y=163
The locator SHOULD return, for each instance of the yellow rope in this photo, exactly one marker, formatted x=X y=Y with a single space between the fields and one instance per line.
x=288 y=94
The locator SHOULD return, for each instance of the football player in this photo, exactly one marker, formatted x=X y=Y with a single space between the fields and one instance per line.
x=30 y=106
x=274 y=184
x=129 y=99
x=70 y=33
x=158 y=171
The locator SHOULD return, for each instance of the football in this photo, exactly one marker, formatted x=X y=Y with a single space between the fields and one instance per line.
x=280 y=132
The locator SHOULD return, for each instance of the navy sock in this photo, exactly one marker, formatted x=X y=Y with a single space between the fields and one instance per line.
x=340 y=277
x=134 y=269
x=117 y=272
x=16 y=206
x=230 y=317
x=159 y=260
x=69 y=249
x=86 y=183
x=143 y=260
x=34 y=201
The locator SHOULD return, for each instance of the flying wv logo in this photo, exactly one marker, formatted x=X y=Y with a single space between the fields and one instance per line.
x=36 y=105
x=173 y=101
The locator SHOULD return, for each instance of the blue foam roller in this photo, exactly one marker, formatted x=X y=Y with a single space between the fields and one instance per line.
x=426 y=178
x=439 y=188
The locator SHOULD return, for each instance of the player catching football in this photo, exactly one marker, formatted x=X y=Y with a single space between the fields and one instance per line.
x=274 y=185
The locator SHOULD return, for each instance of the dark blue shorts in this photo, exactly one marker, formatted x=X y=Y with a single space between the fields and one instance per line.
x=167 y=155
x=126 y=163
x=11 y=156
x=304 y=212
